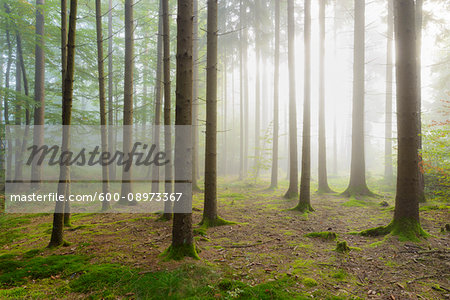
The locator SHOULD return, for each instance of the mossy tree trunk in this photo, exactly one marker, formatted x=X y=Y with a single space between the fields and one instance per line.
x=276 y=80
x=64 y=178
x=304 y=203
x=101 y=87
x=111 y=131
x=293 y=155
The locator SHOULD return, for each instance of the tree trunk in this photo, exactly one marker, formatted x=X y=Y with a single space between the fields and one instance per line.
x=242 y=135
x=111 y=131
x=195 y=168
x=182 y=235
x=167 y=128
x=225 y=116
x=257 y=90
x=293 y=155
x=17 y=115
x=276 y=80
x=101 y=87
x=158 y=83
x=388 y=174
x=210 y=207
x=406 y=213
x=323 y=181
x=128 y=101
x=358 y=184
x=304 y=203
x=63 y=73
x=6 y=106
x=64 y=179
x=39 y=92
x=245 y=86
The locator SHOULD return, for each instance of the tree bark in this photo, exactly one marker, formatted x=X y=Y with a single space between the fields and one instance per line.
x=195 y=164
x=210 y=207
x=276 y=80
x=358 y=184
x=111 y=131
x=388 y=174
x=17 y=115
x=293 y=155
x=167 y=124
x=64 y=177
x=182 y=235
x=128 y=101
x=158 y=83
x=39 y=92
x=101 y=87
x=304 y=203
x=6 y=106
x=323 y=180
x=407 y=197
x=257 y=90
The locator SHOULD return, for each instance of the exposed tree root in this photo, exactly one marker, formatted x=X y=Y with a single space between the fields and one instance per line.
x=207 y=223
x=405 y=229
x=180 y=252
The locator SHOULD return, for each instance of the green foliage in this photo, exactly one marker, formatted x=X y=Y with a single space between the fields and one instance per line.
x=326 y=235
x=435 y=159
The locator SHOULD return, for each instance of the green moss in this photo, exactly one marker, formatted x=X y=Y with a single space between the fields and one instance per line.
x=309 y=282
x=339 y=274
x=207 y=223
x=406 y=229
x=342 y=247
x=326 y=235
x=180 y=252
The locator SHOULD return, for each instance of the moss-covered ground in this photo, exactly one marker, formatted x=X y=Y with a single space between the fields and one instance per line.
x=271 y=252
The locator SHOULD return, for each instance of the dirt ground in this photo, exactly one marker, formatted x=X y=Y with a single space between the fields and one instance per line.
x=268 y=241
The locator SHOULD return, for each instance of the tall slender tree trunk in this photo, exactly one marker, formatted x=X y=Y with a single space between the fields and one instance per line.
x=257 y=90
x=17 y=115
x=388 y=174
x=158 y=83
x=195 y=165
x=225 y=116
x=39 y=92
x=323 y=181
x=293 y=155
x=276 y=80
x=407 y=197
x=27 y=110
x=101 y=87
x=304 y=203
x=6 y=106
x=64 y=179
x=111 y=131
x=242 y=41
x=182 y=235
x=63 y=73
x=210 y=207
x=244 y=44
x=128 y=100
x=358 y=184
x=167 y=108
x=418 y=20
x=2 y=94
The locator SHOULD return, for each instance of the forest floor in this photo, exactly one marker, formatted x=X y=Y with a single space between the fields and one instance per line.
x=265 y=255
